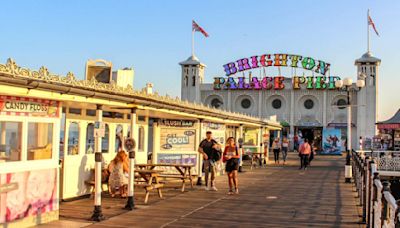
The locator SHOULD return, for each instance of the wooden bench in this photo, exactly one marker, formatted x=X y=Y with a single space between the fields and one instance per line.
x=148 y=180
x=184 y=172
x=91 y=181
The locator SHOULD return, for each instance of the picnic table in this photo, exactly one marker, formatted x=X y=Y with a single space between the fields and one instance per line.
x=184 y=172
x=150 y=181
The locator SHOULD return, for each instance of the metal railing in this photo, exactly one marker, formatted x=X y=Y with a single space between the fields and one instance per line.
x=379 y=207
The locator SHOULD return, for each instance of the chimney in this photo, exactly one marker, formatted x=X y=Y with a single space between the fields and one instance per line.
x=149 y=88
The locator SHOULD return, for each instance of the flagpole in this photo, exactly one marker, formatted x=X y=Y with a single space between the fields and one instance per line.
x=368 y=30
x=192 y=42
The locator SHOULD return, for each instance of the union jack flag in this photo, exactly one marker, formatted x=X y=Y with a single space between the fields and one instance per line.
x=370 y=22
x=197 y=28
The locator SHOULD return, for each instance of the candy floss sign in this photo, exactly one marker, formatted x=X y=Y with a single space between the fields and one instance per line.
x=33 y=194
x=21 y=106
x=275 y=82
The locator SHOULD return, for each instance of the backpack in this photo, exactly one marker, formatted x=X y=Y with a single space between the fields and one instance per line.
x=216 y=155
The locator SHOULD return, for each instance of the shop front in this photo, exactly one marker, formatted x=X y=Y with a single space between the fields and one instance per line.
x=176 y=142
x=389 y=134
x=50 y=132
x=251 y=140
x=29 y=180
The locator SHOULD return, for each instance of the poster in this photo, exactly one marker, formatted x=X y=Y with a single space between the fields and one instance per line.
x=26 y=194
x=251 y=137
x=217 y=130
x=174 y=139
x=176 y=159
x=332 y=143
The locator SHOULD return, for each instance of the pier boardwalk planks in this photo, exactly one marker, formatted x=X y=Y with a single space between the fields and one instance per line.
x=275 y=196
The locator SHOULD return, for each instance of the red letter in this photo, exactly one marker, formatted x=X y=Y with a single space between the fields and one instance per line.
x=278 y=81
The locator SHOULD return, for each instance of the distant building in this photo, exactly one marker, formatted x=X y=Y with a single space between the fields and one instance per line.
x=305 y=111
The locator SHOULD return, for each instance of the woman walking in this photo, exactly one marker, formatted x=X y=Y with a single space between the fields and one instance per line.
x=276 y=148
x=231 y=157
x=118 y=180
x=304 y=153
x=285 y=146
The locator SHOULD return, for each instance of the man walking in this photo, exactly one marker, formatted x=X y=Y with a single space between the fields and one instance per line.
x=209 y=149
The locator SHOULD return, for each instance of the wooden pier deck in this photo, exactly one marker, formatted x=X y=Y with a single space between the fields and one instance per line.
x=276 y=196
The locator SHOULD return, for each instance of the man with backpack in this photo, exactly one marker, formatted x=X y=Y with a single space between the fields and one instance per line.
x=211 y=151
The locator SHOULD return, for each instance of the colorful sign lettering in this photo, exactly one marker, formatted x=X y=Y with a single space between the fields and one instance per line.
x=21 y=106
x=275 y=82
x=177 y=139
x=276 y=60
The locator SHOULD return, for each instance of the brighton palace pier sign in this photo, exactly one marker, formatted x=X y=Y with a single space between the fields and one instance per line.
x=275 y=83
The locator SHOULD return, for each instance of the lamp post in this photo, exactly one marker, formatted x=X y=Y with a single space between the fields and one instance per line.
x=347 y=85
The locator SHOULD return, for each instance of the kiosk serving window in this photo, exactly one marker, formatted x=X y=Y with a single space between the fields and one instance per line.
x=141 y=139
x=73 y=139
x=105 y=142
x=40 y=141
x=90 y=139
x=10 y=141
x=119 y=134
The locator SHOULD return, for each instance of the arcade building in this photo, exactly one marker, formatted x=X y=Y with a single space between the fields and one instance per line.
x=305 y=100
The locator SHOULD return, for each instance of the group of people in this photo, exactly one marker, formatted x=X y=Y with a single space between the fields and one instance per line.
x=212 y=154
x=305 y=150
x=278 y=146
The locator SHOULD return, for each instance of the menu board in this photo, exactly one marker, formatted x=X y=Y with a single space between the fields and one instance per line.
x=251 y=137
x=175 y=139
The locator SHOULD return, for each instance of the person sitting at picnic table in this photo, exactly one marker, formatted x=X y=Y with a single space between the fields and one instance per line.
x=231 y=157
x=118 y=180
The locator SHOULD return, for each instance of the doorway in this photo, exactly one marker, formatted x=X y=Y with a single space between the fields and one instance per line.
x=312 y=134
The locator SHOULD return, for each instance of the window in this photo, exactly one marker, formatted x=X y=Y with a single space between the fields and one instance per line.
x=309 y=104
x=108 y=114
x=216 y=103
x=246 y=103
x=90 y=112
x=62 y=136
x=90 y=139
x=141 y=139
x=342 y=103
x=76 y=111
x=277 y=104
x=40 y=141
x=119 y=134
x=194 y=81
x=186 y=81
x=105 y=141
x=73 y=139
x=10 y=141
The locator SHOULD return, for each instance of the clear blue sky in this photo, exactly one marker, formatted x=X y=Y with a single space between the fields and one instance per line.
x=153 y=36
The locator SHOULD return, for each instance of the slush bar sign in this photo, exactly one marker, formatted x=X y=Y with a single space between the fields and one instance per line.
x=277 y=82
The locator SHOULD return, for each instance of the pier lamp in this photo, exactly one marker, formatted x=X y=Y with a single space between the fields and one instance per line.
x=347 y=85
